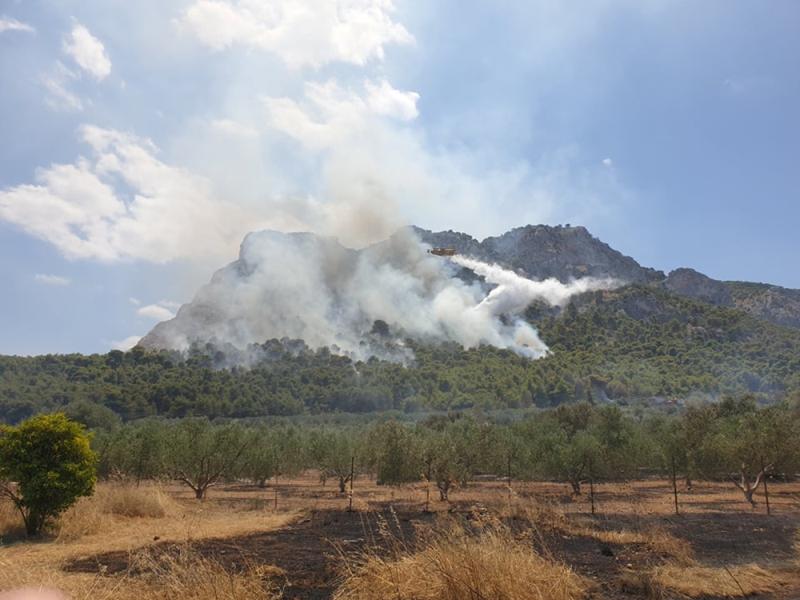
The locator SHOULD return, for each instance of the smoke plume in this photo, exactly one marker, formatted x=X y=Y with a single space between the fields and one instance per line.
x=303 y=286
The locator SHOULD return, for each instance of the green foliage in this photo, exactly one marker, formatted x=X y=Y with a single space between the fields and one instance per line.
x=201 y=454
x=396 y=453
x=338 y=453
x=733 y=439
x=46 y=464
x=636 y=342
x=271 y=452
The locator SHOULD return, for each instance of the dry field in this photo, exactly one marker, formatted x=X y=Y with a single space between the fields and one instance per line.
x=534 y=541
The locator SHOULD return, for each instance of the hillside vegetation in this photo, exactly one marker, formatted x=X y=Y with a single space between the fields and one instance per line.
x=635 y=343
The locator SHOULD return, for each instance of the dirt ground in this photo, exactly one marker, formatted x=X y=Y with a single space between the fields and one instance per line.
x=311 y=529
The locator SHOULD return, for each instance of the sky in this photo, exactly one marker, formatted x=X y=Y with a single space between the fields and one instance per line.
x=142 y=140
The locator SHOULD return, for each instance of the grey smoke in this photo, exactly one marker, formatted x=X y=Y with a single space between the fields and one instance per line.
x=308 y=287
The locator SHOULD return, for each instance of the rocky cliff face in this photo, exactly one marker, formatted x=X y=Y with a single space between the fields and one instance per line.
x=690 y=283
x=542 y=251
x=771 y=302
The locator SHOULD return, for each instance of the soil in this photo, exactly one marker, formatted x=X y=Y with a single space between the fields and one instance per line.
x=310 y=551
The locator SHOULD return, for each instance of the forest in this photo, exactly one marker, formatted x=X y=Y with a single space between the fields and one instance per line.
x=637 y=344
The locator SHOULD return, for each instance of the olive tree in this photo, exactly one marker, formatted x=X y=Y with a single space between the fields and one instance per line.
x=200 y=454
x=271 y=452
x=394 y=452
x=337 y=453
x=749 y=445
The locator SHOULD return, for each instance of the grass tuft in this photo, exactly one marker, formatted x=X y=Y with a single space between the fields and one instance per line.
x=733 y=582
x=93 y=514
x=454 y=564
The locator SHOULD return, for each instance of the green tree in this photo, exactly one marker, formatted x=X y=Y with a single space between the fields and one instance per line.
x=748 y=445
x=136 y=451
x=446 y=462
x=201 y=455
x=337 y=453
x=271 y=451
x=395 y=453
x=46 y=464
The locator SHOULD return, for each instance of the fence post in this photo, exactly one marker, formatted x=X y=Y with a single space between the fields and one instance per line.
x=352 y=476
x=674 y=485
x=766 y=490
x=509 y=479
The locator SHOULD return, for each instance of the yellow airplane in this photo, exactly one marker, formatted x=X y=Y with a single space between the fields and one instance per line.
x=442 y=251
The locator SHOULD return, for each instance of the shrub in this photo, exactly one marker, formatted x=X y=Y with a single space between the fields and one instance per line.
x=46 y=464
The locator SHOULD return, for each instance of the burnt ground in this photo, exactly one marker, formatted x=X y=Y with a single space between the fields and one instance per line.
x=309 y=551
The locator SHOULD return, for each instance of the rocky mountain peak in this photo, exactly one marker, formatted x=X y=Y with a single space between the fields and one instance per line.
x=691 y=283
x=542 y=251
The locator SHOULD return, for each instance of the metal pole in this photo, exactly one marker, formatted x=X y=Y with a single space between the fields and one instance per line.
x=428 y=489
x=674 y=485
x=352 y=476
x=509 y=478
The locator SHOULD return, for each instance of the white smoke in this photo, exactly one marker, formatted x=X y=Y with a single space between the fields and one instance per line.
x=515 y=293
x=305 y=287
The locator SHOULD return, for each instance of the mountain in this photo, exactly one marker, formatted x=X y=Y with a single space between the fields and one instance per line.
x=659 y=340
x=542 y=251
x=535 y=251
x=217 y=311
x=639 y=344
x=564 y=252
x=772 y=303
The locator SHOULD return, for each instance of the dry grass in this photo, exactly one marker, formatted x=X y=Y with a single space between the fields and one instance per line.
x=11 y=525
x=155 y=577
x=104 y=523
x=657 y=539
x=455 y=565
x=187 y=575
x=734 y=582
x=96 y=513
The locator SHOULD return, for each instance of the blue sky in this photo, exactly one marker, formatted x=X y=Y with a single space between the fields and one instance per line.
x=142 y=140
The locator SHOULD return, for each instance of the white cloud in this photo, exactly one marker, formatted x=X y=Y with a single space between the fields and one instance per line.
x=156 y=312
x=301 y=32
x=127 y=343
x=9 y=24
x=166 y=212
x=329 y=114
x=171 y=304
x=134 y=301
x=385 y=100
x=375 y=174
x=59 y=97
x=607 y=162
x=88 y=52
x=232 y=128
x=51 y=279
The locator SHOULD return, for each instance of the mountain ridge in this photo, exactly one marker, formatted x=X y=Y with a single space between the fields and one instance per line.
x=563 y=252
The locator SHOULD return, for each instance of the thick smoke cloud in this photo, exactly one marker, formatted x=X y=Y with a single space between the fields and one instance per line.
x=312 y=288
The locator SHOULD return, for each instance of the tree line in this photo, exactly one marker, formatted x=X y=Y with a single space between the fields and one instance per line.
x=632 y=344
x=733 y=440
x=49 y=461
